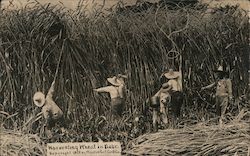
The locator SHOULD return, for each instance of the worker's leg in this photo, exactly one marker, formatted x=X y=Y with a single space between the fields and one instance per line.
x=155 y=118
x=218 y=105
x=224 y=105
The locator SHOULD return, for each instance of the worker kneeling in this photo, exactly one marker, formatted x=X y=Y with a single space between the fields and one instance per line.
x=160 y=104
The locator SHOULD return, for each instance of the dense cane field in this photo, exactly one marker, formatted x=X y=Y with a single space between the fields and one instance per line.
x=42 y=43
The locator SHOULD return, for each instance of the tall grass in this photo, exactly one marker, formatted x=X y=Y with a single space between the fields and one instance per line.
x=138 y=44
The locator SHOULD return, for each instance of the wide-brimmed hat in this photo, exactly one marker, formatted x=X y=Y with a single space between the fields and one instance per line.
x=117 y=80
x=39 y=99
x=172 y=74
x=114 y=81
x=165 y=87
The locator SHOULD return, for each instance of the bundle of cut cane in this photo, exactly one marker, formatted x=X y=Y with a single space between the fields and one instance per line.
x=201 y=139
x=15 y=143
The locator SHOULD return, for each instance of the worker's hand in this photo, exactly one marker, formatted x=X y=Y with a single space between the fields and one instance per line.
x=202 y=88
x=95 y=90
x=121 y=82
x=122 y=76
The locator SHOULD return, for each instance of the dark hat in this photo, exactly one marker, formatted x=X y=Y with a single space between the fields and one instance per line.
x=220 y=70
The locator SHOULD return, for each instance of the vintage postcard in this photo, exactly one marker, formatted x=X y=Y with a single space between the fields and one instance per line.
x=124 y=77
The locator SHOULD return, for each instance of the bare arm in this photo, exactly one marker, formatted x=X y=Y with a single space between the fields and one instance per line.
x=157 y=94
x=104 y=89
x=179 y=81
x=51 y=90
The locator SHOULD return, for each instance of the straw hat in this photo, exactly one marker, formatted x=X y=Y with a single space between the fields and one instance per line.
x=165 y=87
x=114 y=81
x=39 y=99
x=171 y=74
x=117 y=80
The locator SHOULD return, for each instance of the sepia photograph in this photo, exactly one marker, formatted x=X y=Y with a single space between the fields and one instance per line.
x=124 y=77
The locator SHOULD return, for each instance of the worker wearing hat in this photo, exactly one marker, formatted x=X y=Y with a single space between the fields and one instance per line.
x=223 y=92
x=165 y=88
x=51 y=112
x=174 y=80
x=159 y=103
x=116 y=91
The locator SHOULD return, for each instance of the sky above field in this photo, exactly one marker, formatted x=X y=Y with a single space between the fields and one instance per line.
x=245 y=4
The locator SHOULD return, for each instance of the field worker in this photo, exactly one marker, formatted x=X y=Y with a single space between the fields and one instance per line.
x=160 y=104
x=174 y=80
x=117 y=93
x=51 y=112
x=223 y=92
